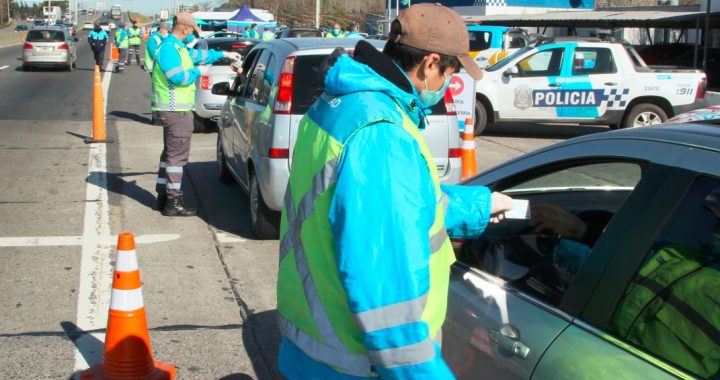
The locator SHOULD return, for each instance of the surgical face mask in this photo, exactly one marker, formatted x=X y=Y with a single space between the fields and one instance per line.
x=336 y=32
x=190 y=38
x=430 y=98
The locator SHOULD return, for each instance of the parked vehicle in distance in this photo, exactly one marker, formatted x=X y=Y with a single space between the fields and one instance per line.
x=298 y=33
x=105 y=25
x=49 y=46
x=259 y=121
x=207 y=104
x=87 y=25
x=584 y=80
x=223 y=33
x=39 y=22
x=525 y=303
x=489 y=44
x=21 y=28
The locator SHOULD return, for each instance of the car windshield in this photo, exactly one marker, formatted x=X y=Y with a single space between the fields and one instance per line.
x=46 y=36
x=502 y=63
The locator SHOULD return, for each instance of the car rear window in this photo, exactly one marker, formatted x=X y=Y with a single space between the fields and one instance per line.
x=303 y=33
x=236 y=46
x=308 y=85
x=479 y=40
x=46 y=36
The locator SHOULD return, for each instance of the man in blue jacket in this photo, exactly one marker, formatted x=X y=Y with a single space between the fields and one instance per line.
x=173 y=99
x=364 y=250
x=98 y=39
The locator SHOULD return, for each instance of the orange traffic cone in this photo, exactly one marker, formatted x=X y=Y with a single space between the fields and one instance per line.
x=114 y=53
x=99 y=135
x=127 y=344
x=467 y=155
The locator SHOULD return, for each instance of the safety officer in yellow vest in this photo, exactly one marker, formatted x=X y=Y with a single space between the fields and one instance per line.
x=335 y=32
x=364 y=250
x=121 y=42
x=252 y=32
x=134 y=40
x=173 y=78
x=151 y=46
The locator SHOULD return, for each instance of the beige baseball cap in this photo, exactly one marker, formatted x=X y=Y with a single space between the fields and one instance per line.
x=437 y=29
x=185 y=18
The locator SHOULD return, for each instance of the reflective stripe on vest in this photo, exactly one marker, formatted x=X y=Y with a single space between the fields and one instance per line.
x=318 y=338
x=150 y=56
x=134 y=36
x=166 y=95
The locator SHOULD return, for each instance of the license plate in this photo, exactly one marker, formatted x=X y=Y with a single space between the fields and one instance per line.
x=45 y=48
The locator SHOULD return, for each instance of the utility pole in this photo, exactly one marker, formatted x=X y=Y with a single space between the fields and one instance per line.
x=707 y=36
x=317 y=14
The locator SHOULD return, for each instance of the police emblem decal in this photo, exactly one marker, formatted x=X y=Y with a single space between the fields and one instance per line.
x=523 y=97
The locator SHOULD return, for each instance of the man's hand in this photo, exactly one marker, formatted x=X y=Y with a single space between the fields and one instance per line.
x=203 y=69
x=499 y=205
x=546 y=216
x=232 y=55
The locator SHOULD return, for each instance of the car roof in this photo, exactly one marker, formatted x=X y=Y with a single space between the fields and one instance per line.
x=48 y=27
x=230 y=39
x=310 y=43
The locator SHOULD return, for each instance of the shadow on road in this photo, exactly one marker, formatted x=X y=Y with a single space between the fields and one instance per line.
x=83 y=137
x=130 y=116
x=541 y=131
x=117 y=183
x=90 y=347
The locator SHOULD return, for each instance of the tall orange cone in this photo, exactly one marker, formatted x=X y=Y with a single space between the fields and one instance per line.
x=467 y=154
x=114 y=53
x=128 y=354
x=99 y=135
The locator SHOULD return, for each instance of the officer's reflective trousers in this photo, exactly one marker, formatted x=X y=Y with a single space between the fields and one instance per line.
x=177 y=132
x=134 y=49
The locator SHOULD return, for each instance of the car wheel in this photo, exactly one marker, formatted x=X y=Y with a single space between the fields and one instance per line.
x=222 y=170
x=26 y=68
x=480 y=118
x=644 y=115
x=263 y=221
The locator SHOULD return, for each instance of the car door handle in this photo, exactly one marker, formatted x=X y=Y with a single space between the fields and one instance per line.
x=610 y=83
x=507 y=338
x=554 y=85
x=480 y=59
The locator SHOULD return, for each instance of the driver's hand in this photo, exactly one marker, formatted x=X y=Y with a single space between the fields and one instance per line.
x=546 y=216
x=499 y=205
x=235 y=56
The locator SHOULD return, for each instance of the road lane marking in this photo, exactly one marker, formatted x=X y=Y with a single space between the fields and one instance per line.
x=227 y=238
x=58 y=241
x=96 y=268
x=4 y=67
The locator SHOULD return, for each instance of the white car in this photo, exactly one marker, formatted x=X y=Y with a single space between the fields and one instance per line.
x=112 y=25
x=584 y=81
x=87 y=25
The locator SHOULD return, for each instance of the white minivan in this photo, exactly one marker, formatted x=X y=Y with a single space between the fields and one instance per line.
x=259 y=121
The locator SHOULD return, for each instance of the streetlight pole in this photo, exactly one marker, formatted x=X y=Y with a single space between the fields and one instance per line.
x=707 y=36
x=317 y=14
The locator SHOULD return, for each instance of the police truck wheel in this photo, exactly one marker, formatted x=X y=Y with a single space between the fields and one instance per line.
x=264 y=222
x=644 y=115
x=222 y=170
x=480 y=118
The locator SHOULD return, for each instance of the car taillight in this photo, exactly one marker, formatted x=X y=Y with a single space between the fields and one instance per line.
x=454 y=153
x=27 y=46
x=205 y=82
x=278 y=153
x=450 y=109
x=702 y=87
x=63 y=47
x=283 y=102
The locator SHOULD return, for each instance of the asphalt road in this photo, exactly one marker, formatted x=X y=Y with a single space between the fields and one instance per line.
x=208 y=286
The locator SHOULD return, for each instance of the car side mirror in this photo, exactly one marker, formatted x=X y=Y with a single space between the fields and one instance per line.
x=222 y=88
x=511 y=72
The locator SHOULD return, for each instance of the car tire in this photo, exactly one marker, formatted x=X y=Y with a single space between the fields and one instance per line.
x=264 y=222
x=644 y=115
x=480 y=118
x=222 y=170
x=26 y=68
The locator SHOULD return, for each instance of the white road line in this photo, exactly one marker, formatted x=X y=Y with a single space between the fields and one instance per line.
x=59 y=241
x=227 y=238
x=19 y=43
x=96 y=269
x=4 y=67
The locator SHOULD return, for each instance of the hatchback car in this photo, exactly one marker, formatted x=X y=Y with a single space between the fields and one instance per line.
x=612 y=302
x=49 y=47
x=208 y=105
x=259 y=122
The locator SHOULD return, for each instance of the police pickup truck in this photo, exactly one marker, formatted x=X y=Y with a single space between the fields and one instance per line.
x=584 y=81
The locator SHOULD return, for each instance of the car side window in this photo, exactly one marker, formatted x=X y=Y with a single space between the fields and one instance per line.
x=670 y=308
x=256 y=78
x=240 y=80
x=589 y=61
x=541 y=64
x=517 y=42
x=267 y=82
x=570 y=207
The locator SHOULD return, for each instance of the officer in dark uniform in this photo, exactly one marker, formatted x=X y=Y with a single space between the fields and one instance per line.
x=98 y=40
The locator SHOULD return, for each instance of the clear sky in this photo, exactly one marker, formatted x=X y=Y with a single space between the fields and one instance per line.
x=148 y=7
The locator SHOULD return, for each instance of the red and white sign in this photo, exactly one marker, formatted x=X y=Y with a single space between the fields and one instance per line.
x=462 y=89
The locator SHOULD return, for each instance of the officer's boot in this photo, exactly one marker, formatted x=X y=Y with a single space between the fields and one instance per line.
x=176 y=207
x=161 y=202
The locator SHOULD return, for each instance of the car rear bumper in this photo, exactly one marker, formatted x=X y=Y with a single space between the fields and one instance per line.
x=46 y=59
x=273 y=175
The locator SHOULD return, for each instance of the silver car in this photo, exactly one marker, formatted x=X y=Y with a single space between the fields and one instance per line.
x=259 y=123
x=49 y=46
x=208 y=105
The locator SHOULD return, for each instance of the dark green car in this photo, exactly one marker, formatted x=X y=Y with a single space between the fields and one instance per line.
x=527 y=302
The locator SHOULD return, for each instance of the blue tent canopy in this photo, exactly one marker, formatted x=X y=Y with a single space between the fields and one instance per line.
x=245 y=17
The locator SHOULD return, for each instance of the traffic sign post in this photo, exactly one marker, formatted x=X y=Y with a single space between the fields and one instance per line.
x=462 y=89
